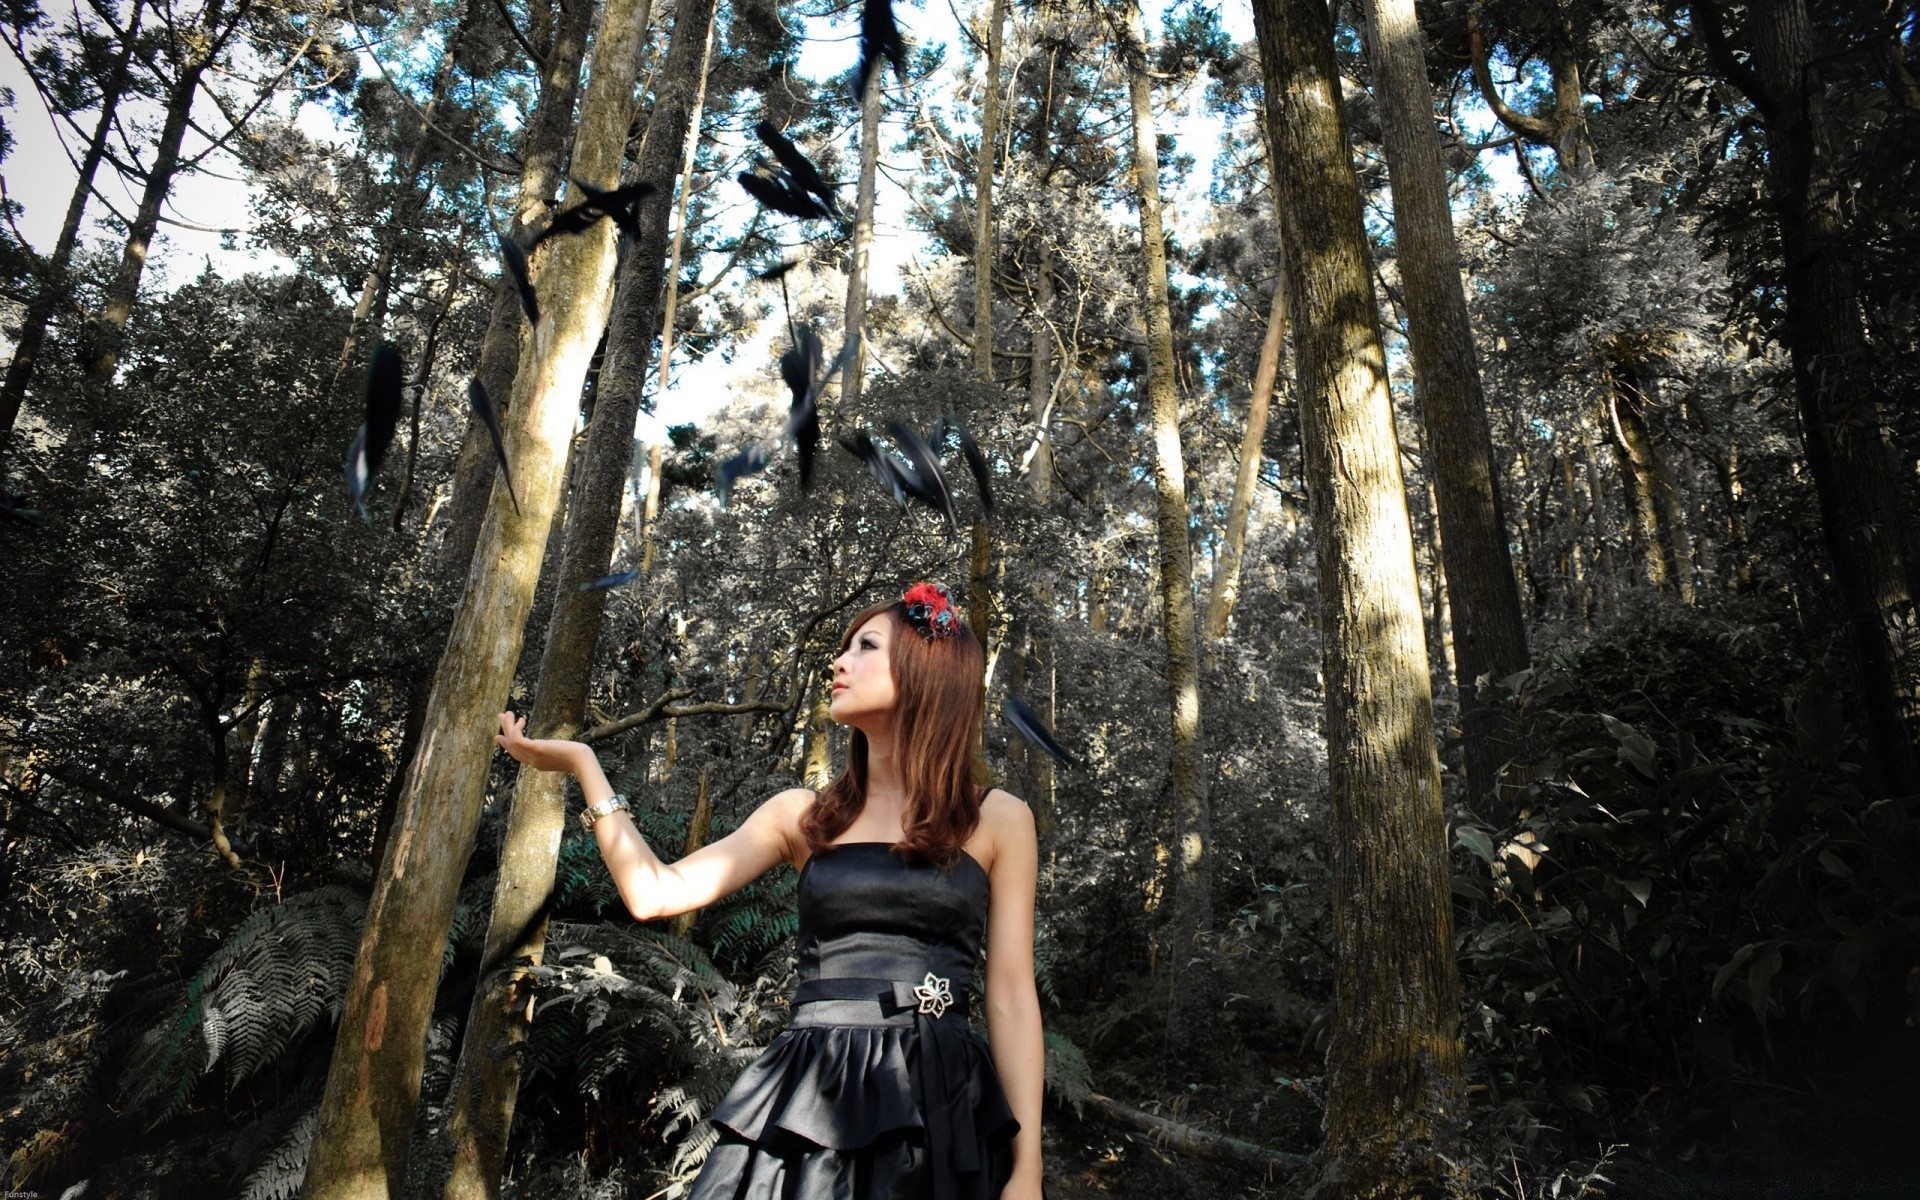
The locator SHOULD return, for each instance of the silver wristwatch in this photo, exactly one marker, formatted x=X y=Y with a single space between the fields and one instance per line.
x=595 y=811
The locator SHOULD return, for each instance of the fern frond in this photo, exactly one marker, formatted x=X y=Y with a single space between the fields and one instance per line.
x=279 y=1175
x=273 y=978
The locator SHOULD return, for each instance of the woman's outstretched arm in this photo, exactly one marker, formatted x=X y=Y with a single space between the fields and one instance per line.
x=651 y=888
x=1013 y=1003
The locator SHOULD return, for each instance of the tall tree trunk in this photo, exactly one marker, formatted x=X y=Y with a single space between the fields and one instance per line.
x=541 y=155
x=1862 y=504
x=1658 y=518
x=1193 y=834
x=53 y=289
x=980 y=556
x=474 y=466
x=487 y=1078
x=1233 y=537
x=852 y=376
x=1040 y=390
x=650 y=509
x=1394 y=1066
x=367 y=1112
x=106 y=333
x=1489 y=632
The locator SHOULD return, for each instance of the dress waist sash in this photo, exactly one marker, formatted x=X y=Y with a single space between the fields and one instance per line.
x=940 y=1086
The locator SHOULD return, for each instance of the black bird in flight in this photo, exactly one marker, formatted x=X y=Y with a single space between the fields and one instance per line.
x=384 y=388
x=1030 y=727
x=799 y=168
x=482 y=406
x=879 y=38
x=514 y=257
x=616 y=203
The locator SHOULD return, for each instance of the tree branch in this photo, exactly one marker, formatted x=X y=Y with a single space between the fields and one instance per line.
x=1534 y=129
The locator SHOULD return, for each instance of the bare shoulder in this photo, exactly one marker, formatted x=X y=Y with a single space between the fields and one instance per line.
x=1009 y=824
x=783 y=810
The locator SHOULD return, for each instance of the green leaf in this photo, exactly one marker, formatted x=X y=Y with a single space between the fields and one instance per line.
x=1725 y=973
x=1476 y=840
x=1636 y=749
x=1835 y=865
x=1639 y=889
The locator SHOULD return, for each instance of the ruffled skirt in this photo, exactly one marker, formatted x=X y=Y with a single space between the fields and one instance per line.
x=863 y=1112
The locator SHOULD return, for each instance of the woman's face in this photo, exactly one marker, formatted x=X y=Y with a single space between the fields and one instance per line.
x=863 y=675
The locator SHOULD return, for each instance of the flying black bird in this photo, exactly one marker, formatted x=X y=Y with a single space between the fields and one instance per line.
x=515 y=260
x=885 y=467
x=610 y=581
x=752 y=459
x=927 y=483
x=799 y=367
x=782 y=194
x=778 y=271
x=1029 y=726
x=618 y=203
x=384 y=388
x=482 y=406
x=879 y=37
x=799 y=167
x=977 y=463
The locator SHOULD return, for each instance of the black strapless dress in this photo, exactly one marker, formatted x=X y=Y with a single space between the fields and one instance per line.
x=878 y=1090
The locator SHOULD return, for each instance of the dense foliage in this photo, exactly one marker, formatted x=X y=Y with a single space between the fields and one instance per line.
x=1694 y=954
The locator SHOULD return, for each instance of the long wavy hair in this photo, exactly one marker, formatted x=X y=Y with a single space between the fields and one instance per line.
x=939 y=684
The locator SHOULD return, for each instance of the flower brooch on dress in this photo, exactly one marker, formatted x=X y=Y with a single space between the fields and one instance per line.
x=934 y=994
x=930 y=608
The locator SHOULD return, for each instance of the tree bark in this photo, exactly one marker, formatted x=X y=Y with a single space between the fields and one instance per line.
x=1193 y=835
x=542 y=153
x=1038 y=648
x=1233 y=537
x=1862 y=502
x=1489 y=630
x=980 y=556
x=53 y=282
x=852 y=376
x=474 y=467
x=487 y=1077
x=1394 y=1066
x=1563 y=129
x=367 y=1112
x=1658 y=523
x=107 y=331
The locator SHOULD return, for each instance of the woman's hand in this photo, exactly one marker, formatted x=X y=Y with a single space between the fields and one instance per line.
x=548 y=754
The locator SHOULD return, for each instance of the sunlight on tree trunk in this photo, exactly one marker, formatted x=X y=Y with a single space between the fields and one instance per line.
x=1192 y=865
x=367 y=1114
x=1394 y=1064
x=488 y=1074
x=1489 y=635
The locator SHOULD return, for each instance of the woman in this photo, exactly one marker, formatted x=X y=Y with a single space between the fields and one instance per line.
x=877 y=1090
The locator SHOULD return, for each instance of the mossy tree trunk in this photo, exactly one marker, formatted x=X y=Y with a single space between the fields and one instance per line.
x=367 y=1113
x=1393 y=1072
x=487 y=1077
x=1489 y=631
x=1192 y=867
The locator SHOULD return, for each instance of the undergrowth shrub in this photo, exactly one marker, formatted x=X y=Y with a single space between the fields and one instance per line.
x=1703 y=930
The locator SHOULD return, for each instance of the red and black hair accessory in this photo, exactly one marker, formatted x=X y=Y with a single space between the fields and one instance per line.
x=930 y=608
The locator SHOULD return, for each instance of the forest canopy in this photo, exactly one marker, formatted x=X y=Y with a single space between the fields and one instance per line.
x=1434 y=483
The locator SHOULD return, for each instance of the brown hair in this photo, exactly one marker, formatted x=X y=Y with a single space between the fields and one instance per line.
x=940 y=684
